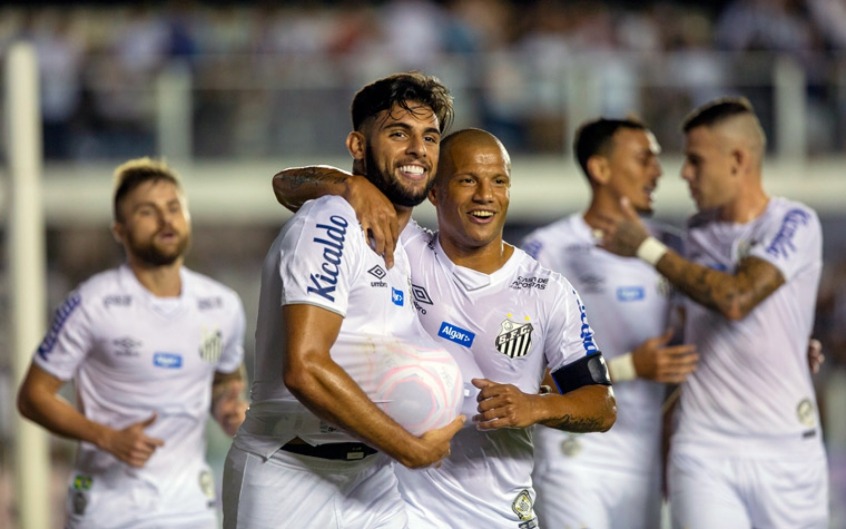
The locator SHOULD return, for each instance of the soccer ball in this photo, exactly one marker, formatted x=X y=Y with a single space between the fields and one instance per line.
x=418 y=385
x=424 y=390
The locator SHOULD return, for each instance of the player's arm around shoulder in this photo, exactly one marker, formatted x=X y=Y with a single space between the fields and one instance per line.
x=329 y=392
x=376 y=214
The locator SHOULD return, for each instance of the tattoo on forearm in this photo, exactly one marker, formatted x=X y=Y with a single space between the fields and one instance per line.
x=734 y=295
x=313 y=176
x=568 y=423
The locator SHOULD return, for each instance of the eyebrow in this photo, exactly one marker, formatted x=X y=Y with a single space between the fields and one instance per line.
x=407 y=127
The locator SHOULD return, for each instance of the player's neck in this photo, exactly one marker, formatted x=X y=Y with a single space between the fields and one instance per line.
x=403 y=216
x=746 y=207
x=163 y=281
x=599 y=207
x=486 y=259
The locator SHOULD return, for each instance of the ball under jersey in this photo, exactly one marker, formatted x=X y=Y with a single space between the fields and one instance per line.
x=321 y=258
x=132 y=354
x=508 y=327
x=628 y=302
x=752 y=393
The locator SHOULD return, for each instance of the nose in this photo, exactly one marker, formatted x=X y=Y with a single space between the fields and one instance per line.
x=484 y=191
x=417 y=146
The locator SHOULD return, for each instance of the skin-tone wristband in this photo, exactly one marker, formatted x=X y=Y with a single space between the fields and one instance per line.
x=622 y=368
x=651 y=250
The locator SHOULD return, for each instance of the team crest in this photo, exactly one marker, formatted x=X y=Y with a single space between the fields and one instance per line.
x=805 y=413
x=212 y=346
x=522 y=506
x=514 y=339
x=206 y=482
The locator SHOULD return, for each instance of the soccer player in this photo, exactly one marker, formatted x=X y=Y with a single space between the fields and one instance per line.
x=317 y=446
x=613 y=480
x=747 y=450
x=152 y=347
x=506 y=320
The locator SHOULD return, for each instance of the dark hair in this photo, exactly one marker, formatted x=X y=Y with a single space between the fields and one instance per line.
x=596 y=137
x=717 y=111
x=135 y=172
x=400 y=89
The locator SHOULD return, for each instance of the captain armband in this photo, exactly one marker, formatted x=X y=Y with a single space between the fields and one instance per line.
x=588 y=370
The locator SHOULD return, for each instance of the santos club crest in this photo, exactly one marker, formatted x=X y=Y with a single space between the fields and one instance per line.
x=514 y=339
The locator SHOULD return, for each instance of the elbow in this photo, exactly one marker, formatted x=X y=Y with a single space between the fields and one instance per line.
x=610 y=415
x=734 y=312
x=25 y=405
x=300 y=381
x=294 y=380
x=282 y=192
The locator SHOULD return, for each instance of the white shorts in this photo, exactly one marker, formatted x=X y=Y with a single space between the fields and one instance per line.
x=742 y=493
x=309 y=492
x=125 y=498
x=574 y=495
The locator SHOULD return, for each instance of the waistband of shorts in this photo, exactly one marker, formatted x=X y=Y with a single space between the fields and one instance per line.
x=333 y=451
x=786 y=447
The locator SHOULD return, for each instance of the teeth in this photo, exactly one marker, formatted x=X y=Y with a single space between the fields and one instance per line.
x=482 y=213
x=412 y=169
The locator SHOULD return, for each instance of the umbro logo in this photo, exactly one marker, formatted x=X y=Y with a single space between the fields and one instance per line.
x=420 y=298
x=420 y=294
x=378 y=272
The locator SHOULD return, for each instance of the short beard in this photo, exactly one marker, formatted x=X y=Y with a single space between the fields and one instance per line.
x=390 y=187
x=151 y=255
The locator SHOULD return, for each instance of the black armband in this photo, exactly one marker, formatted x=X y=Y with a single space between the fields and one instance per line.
x=585 y=371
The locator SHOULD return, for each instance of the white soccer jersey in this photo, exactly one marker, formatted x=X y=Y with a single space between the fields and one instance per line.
x=618 y=472
x=752 y=393
x=321 y=257
x=508 y=327
x=131 y=355
x=628 y=302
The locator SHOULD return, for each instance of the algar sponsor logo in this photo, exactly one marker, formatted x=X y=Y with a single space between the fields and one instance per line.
x=456 y=334
x=324 y=282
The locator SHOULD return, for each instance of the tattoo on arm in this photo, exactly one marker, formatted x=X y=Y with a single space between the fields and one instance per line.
x=733 y=295
x=294 y=186
x=568 y=423
x=313 y=176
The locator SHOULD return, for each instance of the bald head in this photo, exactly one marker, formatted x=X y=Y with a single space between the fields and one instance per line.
x=466 y=141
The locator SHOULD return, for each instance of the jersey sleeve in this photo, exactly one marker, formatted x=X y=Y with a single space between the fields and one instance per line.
x=570 y=335
x=233 y=347
x=69 y=338
x=318 y=255
x=791 y=243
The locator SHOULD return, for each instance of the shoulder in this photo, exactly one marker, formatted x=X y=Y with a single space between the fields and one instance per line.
x=784 y=208
x=201 y=284
x=555 y=235
x=415 y=234
x=326 y=206
x=101 y=284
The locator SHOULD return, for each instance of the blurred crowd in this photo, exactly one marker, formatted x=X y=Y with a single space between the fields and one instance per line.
x=268 y=77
